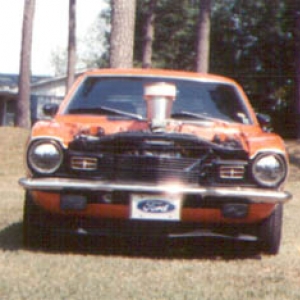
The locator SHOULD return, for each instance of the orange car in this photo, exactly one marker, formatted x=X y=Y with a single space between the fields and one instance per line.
x=155 y=153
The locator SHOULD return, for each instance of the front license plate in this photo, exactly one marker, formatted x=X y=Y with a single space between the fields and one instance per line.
x=156 y=207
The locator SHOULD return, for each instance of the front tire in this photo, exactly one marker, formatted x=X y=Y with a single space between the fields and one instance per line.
x=270 y=232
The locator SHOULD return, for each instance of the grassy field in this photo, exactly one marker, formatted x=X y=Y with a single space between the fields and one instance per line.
x=99 y=270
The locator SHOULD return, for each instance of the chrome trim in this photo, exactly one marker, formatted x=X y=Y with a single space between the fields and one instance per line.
x=269 y=151
x=98 y=231
x=253 y=195
x=190 y=234
x=84 y=163
x=49 y=138
x=211 y=233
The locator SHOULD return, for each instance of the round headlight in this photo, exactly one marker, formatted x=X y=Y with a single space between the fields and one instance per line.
x=44 y=156
x=269 y=170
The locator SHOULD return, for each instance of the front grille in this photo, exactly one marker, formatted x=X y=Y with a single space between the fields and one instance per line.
x=153 y=158
x=232 y=172
x=152 y=169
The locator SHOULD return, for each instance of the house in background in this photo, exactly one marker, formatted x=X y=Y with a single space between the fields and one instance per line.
x=43 y=90
x=51 y=90
x=8 y=95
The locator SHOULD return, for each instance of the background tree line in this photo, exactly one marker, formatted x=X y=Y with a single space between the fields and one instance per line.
x=256 y=42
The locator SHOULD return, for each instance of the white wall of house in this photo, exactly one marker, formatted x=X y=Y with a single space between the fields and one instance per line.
x=45 y=91
x=56 y=88
x=48 y=91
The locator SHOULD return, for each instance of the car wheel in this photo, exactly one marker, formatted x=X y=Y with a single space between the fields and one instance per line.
x=270 y=232
x=35 y=232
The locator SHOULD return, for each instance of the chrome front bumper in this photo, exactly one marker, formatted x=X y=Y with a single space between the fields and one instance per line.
x=253 y=195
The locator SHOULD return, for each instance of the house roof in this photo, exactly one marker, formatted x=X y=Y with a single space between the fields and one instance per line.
x=12 y=80
x=9 y=84
x=46 y=81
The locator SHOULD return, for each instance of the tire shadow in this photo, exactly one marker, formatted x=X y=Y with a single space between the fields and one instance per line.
x=11 y=237
x=204 y=248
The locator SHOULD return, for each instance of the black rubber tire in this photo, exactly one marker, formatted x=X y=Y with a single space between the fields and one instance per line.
x=270 y=232
x=35 y=231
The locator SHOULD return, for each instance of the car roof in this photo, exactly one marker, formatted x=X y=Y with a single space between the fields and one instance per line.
x=161 y=73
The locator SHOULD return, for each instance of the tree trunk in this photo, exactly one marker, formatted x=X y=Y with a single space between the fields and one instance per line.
x=71 y=44
x=22 y=114
x=149 y=35
x=297 y=67
x=122 y=33
x=203 y=47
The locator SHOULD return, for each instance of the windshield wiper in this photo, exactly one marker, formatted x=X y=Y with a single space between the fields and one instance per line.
x=191 y=115
x=103 y=110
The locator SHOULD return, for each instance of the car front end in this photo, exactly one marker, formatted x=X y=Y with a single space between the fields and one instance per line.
x=155 y=153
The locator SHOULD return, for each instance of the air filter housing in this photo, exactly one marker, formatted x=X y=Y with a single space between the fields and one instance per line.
x=159 y=98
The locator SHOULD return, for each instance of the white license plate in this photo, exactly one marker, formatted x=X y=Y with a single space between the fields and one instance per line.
x=156 y=207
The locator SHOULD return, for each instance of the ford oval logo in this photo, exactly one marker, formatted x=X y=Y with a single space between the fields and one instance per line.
x=156 y=206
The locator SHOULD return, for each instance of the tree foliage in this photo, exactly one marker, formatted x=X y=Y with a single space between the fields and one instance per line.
x=92 y=50
x=257 y=50
x=251 y=41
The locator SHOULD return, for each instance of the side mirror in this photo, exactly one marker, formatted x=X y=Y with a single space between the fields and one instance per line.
x=50 y=109
x=264 y=121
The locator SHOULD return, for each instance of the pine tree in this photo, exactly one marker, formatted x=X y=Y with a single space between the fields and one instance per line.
x=22 y=117
x=122 y=33
x=203 y=46
x=71 y=44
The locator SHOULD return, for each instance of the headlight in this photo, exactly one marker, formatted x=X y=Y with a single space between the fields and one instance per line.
x=44 y=156
x=269 y=170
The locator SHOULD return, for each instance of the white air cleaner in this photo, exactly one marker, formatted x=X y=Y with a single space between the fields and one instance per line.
x=159 y=97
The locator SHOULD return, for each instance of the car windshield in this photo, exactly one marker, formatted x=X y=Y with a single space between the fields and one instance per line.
x=122 y=97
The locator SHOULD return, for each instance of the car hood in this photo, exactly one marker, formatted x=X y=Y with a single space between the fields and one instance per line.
x=250 y=138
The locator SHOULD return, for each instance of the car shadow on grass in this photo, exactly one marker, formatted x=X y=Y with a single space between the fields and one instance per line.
x=11 y=237
x=177 y=249
x=204 y=248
